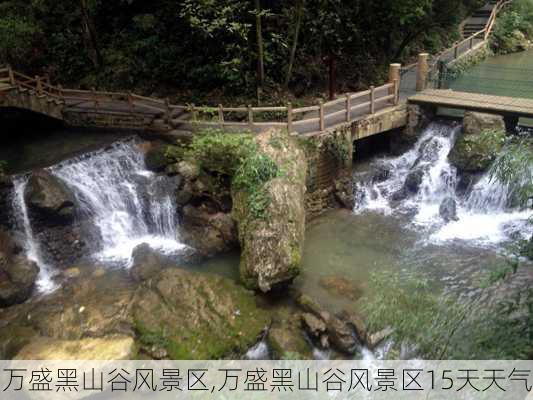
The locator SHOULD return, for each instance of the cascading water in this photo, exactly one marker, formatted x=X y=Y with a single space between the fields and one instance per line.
x=45 y=281
x=484 y=214
x=126 y=204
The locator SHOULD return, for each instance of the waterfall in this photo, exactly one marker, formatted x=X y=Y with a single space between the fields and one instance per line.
x=32 y=249
x=484 y=213
x=125 y=204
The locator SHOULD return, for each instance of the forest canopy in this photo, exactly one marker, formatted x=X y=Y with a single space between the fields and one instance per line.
x=199 y=46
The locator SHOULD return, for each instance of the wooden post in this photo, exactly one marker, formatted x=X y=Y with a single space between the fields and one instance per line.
x=221 y=116
x=167 y=111
x=394 y=75
x=372 y=98
x=194 y=113
x=322 y=123
x=11 y=75
x=39 y=84
x=396 y=92
x=289 y=117
x=348 y=108
x=60 y=92
x=95 y=99
x=422 y=72
x=130 y=102
x=250 y=117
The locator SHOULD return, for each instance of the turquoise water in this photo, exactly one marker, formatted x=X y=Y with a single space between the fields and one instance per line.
x=504 y=75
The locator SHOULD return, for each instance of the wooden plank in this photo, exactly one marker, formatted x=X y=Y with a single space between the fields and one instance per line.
x=336 y=114
x=306 y=121
x=305 y=109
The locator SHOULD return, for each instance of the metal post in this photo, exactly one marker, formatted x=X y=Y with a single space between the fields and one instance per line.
x=455 y=52
x=442 y=72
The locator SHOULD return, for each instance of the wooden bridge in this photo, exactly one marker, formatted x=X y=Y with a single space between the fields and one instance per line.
x=128 y=110
x=131 y=111
x=506 y=106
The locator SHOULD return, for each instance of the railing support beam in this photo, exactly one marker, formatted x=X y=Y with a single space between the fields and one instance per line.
x=422 y=70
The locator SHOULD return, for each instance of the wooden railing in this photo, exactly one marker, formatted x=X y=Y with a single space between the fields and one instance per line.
x=314 y=118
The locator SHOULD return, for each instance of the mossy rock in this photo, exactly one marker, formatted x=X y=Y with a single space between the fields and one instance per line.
x=475 y=153
x=157 y=158
x=197 y=316
x=286 y=337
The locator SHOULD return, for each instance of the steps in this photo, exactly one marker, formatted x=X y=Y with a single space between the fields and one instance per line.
x=479 y=19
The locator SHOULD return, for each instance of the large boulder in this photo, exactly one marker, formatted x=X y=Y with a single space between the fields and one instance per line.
x=48 y=199
x=272 y=243
x=475 y=123
x=414 y=180
x=17 y=274
x=107 y=348
x=286 y=338
x=448 y=209
x=146 y=262
x=476 y=152
x=208 y=231
x=197 y=316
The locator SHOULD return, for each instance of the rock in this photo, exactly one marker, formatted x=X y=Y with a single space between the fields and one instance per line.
x=382 y=173
x=188 y=170
x=156 y=159
x=375 y=339
x=146 y=262
x=476 y=152
x=342 y=336
x=313 y=325
x=208 y=233
x=344 y=192
x=476 y=123
x=48 y=199
x=197 y=316
x=400 y=194
x=358 y=324
x=107 y=348
x=414 y=180
x=18 y=276
x=285 y=336
x=272 y=245
x=72 y=273
x=448 y=210
x=340 y=286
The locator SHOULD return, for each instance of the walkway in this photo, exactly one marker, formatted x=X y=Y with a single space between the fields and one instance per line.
x=475 y=102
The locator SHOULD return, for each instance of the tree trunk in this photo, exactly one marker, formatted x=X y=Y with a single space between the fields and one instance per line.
x=332 y=67
x=260 y=51
x=89 y=35
x=299 y=15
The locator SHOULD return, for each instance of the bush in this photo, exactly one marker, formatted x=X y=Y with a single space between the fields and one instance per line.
x=513 y=27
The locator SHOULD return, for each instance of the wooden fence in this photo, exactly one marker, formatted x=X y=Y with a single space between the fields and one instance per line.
x=314 y=118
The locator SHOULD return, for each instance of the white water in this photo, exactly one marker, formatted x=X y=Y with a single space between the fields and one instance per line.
x=484 y=215
x=127 y=204
x=45 y=281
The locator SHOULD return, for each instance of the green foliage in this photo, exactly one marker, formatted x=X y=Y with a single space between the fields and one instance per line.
x=251 y=177
x=443 y=328
x=338 y=146
x=198 y=46
x=513 y=26
x=514 y=167
x=217 y=151
x=235 y=155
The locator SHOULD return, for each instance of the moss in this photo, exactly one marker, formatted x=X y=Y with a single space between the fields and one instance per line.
x=475 y=153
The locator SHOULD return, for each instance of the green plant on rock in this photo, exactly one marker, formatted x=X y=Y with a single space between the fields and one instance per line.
x=218 y=151
x=251 y=177
x=337 y=145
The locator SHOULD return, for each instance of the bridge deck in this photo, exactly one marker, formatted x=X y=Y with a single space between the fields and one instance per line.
x=475 y=102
